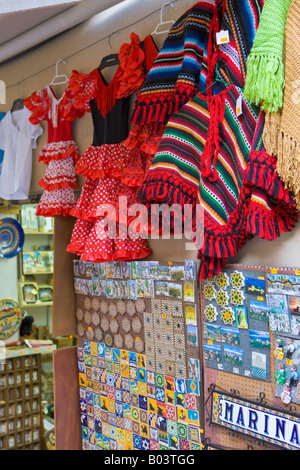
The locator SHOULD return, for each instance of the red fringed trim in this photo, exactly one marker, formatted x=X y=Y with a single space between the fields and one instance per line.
x=269 y=225
x=261 y=172
x=131 y=255
x=158 y=107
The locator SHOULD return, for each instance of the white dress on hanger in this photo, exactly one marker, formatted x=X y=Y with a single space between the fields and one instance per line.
x=18 y=137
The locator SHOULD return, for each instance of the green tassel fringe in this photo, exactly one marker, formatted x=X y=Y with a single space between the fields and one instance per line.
x=265 y=81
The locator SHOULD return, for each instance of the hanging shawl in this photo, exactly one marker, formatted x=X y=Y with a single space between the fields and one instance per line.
x=265 y=69
x=187 y=61
x=282 y=129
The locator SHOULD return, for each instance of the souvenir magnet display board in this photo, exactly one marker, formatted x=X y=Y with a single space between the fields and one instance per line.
x=10 y=318
x=263 y=340
x=11 y=238
x=138 y=355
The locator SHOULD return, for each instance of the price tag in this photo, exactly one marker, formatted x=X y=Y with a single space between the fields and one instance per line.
x=222 y=37
x=239 y=106
x=273 y=271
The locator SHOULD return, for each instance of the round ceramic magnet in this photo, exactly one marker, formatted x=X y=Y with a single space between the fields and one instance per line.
x=11 y=238
x=10 y=318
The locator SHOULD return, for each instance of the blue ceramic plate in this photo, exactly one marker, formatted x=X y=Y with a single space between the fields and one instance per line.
x=11 y=238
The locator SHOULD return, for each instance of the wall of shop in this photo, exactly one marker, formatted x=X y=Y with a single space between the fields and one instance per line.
x=82 y=48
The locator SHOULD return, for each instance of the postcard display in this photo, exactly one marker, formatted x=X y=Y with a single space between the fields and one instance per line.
x=251 y=345
x=138 y=355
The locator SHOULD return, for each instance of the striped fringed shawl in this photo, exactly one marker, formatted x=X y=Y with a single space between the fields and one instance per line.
x=211 y=157
x=187 y=59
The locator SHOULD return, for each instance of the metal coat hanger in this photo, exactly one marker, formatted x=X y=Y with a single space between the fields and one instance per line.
x=162 y=22
x=58 y=79
x=17 y=104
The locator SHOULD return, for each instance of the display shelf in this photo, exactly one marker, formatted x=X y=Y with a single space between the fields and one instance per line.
x=39 y=273
x=20 y=352
x=37 y=304
x=32 y=232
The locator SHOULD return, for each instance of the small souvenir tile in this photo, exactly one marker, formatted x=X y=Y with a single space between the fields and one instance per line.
x=167 y=323
x=159 y=336
x=237 y=297
x=156 y=306
x=166 y=307
x=139 y=345
x=136 y=325
x=90 y=334
x=95 y=304
x=157 y=322
x=104 y=324
x=87 y=303
x=211 y=313
x=80 y=330
x=237 y=279
x=128 y=341
x=148 y=320
x=170 y=368
x=118 y=340
x=130 y=308
x=179 y=325
x=222 y=298
x=104 y=307
x=140 y=305
x=228 y=315
x=209 y=291
x=222 y=281
x=95 y=319
x=79 y=314
x=126 y=324
x=177 y=309
x=87 y=317
x=114 y=326
x=169 y=338
x=179 y=340
x=121 y=307
x=98 y=334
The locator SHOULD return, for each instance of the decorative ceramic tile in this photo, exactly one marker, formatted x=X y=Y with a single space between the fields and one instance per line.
x=121 y=307
x=130 y=308
x=179 y=340
x=136 y=325
x=80 y=329
x=95 y=304
x=104 y=324
x=114 y=326
x=140 y=305
x=179 y=326
x=148 y=320
x=126 y=324
x=149 y=336
x=167 y=323
x=90 y=334
x=177 y=309
x=87 y=317
x=112 y=310
x=98 y=334
x=87 y=303
x=166 y=307
x=156 y=306
x=79 y=314
x=139 y=345
x=104 y=307
x=95 y=319
x=108 y=340
x=128 y=341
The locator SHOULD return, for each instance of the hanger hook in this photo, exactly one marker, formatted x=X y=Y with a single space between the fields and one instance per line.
x=162 y=10
x=59 y=60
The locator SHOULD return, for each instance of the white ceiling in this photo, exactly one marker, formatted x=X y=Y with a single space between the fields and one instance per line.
x=27 y=23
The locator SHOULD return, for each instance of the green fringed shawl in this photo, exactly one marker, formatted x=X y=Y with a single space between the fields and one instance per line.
x=265 y=70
